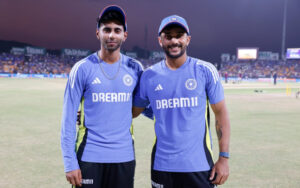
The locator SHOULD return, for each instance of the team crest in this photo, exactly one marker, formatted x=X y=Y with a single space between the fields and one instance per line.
x=191 y=84
x=127 y=79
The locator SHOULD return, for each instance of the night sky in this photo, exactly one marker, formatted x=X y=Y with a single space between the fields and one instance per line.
x=217 y=26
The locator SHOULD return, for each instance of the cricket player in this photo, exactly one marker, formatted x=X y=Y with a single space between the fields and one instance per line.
x=101 y=155
x=179 y=90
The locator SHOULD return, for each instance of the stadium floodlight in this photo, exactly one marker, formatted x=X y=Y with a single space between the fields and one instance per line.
x=283 y=31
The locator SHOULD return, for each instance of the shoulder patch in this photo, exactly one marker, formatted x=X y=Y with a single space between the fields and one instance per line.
x=134 y=64
x=92 y=58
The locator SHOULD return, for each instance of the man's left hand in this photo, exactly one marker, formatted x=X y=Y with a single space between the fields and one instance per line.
x=222 y=169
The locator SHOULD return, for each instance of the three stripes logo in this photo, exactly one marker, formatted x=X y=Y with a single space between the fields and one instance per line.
x=211 y=68
x=158 y=88
x=96 y=81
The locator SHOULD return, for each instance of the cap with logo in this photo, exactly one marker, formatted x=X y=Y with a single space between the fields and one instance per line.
x=113 y=8
x=173 y=20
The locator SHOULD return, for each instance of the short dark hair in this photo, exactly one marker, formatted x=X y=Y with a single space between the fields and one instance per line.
x=110 y=16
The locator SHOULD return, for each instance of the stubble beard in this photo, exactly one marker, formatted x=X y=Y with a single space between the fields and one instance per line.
x=114 y=48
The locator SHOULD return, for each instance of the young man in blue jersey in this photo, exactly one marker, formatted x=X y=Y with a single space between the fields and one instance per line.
x=179 y=90
x=102 y=153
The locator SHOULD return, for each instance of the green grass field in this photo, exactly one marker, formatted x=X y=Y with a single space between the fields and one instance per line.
x=265 y=136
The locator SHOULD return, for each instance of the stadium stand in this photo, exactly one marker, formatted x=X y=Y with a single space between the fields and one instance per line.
x=55 y=64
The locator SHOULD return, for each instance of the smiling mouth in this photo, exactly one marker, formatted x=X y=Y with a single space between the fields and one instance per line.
x=174 y=48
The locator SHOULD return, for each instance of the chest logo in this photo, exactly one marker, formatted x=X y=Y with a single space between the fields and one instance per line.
x=127 y=79
x=96 y=81
x=191 y=84
x=158 y=88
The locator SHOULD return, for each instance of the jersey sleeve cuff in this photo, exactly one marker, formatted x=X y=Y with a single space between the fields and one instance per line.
x=215 y=101
x=71 y=166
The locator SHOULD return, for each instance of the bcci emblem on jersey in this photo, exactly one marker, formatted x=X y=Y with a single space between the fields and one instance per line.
x=127 y=79
x=191 y=84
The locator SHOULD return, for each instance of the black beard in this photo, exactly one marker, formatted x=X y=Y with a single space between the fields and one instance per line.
x=183 y=49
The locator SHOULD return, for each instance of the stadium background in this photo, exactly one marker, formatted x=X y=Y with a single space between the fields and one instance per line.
x=42 y=40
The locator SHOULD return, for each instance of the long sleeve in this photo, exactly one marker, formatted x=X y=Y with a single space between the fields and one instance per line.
x=73 y=94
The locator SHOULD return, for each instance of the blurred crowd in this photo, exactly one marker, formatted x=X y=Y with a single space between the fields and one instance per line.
x=261 y=69
x=53 y=64
x=44 y=64
x=36 y=64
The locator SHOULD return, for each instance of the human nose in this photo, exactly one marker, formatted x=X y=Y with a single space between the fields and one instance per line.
x=174 y=40
x=111 y=34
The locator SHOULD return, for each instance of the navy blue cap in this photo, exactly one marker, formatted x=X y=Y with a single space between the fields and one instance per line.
x=173 y=20
x=117 y=9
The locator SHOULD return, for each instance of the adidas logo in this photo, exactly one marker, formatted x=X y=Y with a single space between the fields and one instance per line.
x=96 y=81
x=158 y=88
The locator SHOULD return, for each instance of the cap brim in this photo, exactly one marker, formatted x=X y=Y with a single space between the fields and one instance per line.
x=174 y=23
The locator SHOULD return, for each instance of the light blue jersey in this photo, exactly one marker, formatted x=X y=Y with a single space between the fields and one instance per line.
x=179 y=99
x=105 y=92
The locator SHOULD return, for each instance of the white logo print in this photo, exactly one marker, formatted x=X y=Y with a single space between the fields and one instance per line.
x=87 y=181
x=156 y=185
x=191 y=84
x=158 y=88
x=127 y=79
x=96 y=81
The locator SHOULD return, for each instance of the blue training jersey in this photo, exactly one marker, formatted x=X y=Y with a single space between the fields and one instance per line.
x=179 y=99
x=105 y=93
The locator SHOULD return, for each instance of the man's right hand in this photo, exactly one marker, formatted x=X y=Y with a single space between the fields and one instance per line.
x=74 y=177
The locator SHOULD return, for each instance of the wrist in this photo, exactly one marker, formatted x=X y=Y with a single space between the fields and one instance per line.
x=224 y=155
